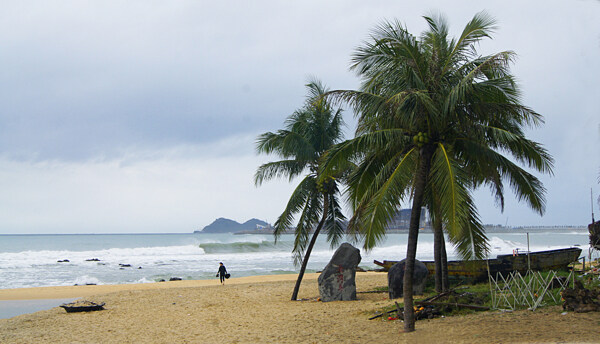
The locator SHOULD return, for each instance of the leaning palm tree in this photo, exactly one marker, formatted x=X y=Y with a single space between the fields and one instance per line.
x=309 y=132
x=435 y=120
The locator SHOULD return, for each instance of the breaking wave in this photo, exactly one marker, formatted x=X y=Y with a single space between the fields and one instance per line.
x=242 y=247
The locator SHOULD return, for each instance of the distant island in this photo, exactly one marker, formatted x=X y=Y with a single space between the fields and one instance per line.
x=399 y=224
x=223 y=225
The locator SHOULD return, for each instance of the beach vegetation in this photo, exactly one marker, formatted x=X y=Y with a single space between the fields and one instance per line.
x=474 y=293
x=308 y=134
x=436 y=120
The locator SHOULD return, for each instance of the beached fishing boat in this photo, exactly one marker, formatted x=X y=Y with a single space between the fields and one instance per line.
x=82 y=306
x=505 y=263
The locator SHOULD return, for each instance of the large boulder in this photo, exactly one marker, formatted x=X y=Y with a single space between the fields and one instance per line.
x=337 y=281
x=396 y=279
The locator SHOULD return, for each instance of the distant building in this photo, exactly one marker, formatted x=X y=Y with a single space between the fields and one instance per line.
x=401 y=219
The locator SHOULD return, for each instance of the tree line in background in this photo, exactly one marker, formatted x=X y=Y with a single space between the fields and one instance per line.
x=436 y=120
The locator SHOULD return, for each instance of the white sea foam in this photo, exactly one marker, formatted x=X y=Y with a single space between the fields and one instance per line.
x=83 y=280
x=502 y=246
x=144 y=280
x=30 y=261
x=107 y=256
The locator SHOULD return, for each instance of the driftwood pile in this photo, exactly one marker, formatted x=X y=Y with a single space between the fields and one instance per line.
x=439 y=304
x=581 y=300
x=423 y=312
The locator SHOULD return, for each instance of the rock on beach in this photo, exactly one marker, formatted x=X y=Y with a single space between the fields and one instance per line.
x=337 y=282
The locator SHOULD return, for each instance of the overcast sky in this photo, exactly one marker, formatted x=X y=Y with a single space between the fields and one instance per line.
x=141 y=116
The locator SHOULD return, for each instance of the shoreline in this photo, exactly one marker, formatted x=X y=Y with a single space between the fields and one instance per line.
x=12 y=308
x=19 y=301
x=64 y=292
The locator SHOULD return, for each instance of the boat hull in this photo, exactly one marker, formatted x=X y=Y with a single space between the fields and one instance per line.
x=504 y=264
x=543 y=260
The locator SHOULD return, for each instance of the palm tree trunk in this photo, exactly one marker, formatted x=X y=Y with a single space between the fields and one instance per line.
x=310 y=247
x=445 y=282
x=438 y=241
x=413 y=234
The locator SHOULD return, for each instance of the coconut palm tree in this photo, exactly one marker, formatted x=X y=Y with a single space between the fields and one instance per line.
x=309 y=132
x=434 y=122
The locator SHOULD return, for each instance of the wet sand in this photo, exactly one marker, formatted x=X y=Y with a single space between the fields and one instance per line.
x=257 y=310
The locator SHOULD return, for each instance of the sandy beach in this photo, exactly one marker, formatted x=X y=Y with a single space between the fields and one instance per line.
x=257 y=310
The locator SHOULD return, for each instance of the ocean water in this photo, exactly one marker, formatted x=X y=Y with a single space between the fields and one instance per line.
x=32 y=260
x=12 y=308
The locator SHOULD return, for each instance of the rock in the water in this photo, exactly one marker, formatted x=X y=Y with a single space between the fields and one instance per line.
x=396 y=279
x=174 y=279
x=337 y=281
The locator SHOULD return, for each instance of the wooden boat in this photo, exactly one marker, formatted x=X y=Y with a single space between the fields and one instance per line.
x=543 y=260
x=82 y=306
x=504 y=264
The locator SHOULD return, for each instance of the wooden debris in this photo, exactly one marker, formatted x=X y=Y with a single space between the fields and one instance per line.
x=445 y=293
x=429 y=308
x=453 y=304
x=399 y=311
x=580 y=299
x=382 y=314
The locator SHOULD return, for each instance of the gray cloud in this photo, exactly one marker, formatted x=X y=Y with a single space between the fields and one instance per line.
x=83 y=82
x=84 y=79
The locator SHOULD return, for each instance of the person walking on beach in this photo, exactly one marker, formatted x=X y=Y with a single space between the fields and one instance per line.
x=221 y=273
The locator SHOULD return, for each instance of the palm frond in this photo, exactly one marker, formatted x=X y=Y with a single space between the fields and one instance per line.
x=449 y=181
x=308 y=134
x=286 y=144
x=481 y=26
x=385 y=201
x=309 y=218
x=278 y=169
x=296 y=204
x=335 y=222
x=471 y=242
